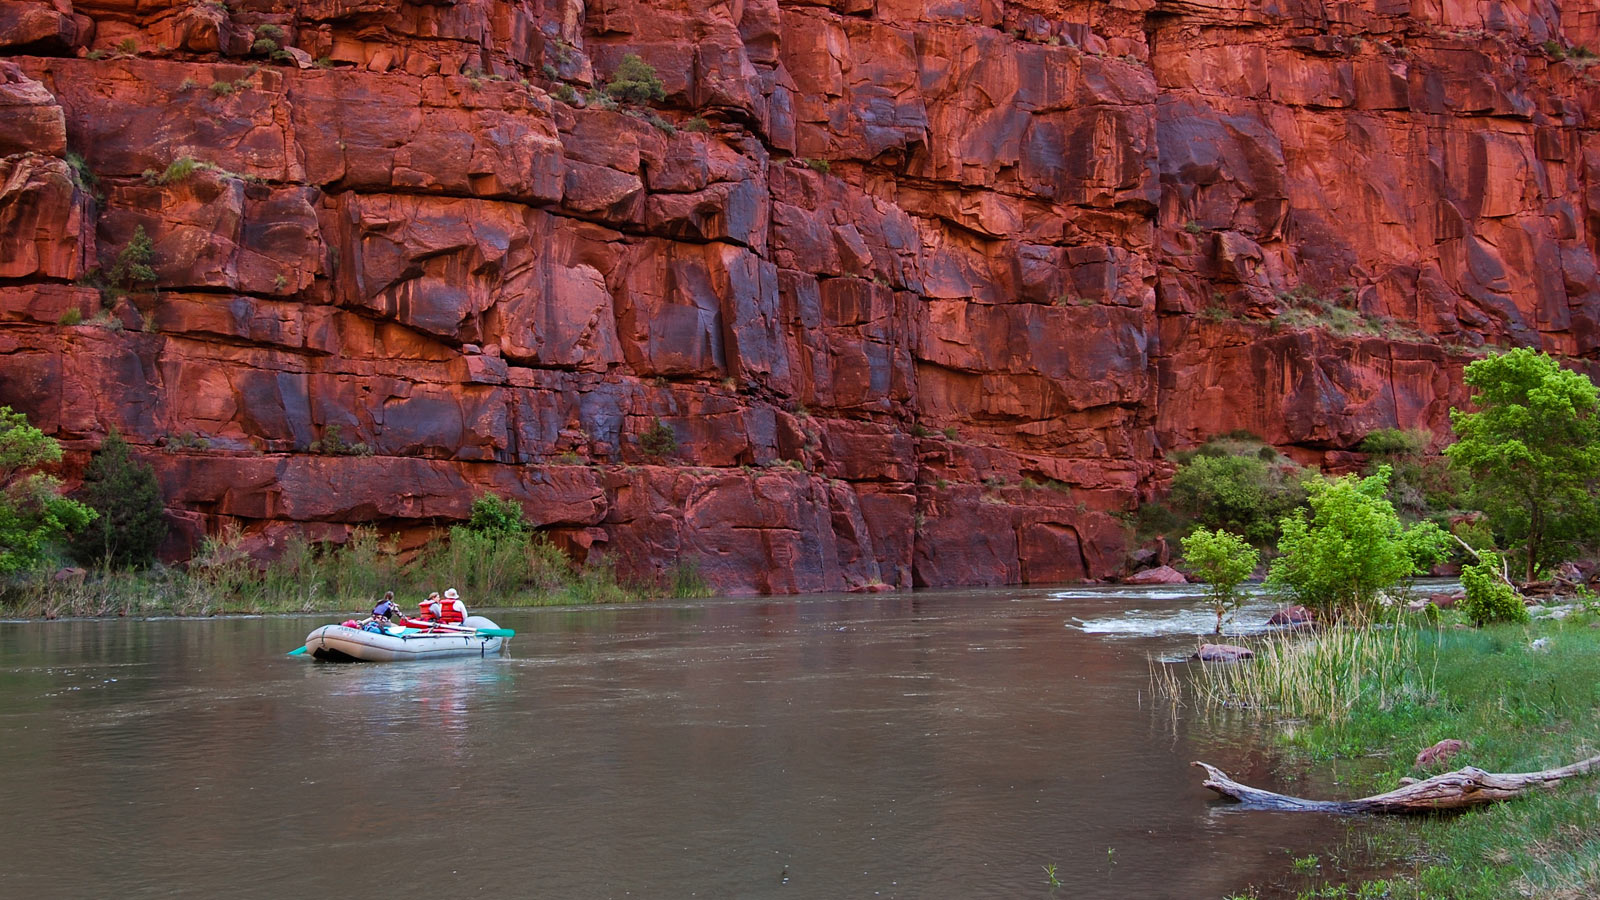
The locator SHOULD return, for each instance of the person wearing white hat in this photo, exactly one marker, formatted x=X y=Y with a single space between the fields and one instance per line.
x=451 y=609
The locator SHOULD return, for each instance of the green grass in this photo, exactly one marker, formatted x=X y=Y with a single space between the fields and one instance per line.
x=1517 y=708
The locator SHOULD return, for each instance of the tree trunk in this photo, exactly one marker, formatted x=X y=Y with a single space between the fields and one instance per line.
x=1464 y=787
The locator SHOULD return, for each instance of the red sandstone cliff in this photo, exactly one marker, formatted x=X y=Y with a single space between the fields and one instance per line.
x=1051 y=240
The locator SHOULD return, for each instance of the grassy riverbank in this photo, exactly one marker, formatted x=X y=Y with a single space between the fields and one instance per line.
x=1379 y=699
x=505 y=570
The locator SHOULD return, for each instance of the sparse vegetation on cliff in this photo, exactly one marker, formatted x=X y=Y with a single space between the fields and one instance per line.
x=635 y=82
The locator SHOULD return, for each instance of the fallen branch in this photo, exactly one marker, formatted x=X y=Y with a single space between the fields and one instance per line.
x=1464 y=787
x=1505 y=567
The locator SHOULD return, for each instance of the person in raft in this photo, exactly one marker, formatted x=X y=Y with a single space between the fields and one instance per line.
x=449 y=610
x=387 y=610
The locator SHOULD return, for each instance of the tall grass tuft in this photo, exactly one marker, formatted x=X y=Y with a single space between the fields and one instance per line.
x=1321 y=677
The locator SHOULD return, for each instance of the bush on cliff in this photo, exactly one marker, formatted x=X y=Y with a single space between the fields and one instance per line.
x=131 y=521
x=635 y=81
x=1351 y=546
x=1531 y=453
x=33 y=514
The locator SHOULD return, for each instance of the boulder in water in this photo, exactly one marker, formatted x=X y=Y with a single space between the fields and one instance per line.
x=1223 y=653
x=1158 y=575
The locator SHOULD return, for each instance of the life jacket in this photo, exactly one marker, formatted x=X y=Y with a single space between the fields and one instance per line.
x=452 y=611
x=428 y=609
x=387 y=609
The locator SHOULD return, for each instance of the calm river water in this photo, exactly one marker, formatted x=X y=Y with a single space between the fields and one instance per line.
x=941 y=745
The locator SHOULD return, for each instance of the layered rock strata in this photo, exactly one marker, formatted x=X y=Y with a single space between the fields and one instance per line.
x=883 y=291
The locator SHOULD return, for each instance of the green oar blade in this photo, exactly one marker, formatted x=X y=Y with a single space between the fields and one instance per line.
x=498 y=632
x=298 y=651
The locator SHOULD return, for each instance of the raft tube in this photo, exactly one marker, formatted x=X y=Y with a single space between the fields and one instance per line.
x=340 y=643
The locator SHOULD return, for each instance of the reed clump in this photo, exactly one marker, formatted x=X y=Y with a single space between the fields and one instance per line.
x=1323 y=676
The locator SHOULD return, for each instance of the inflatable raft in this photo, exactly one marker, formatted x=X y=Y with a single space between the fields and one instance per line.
x=341 y=643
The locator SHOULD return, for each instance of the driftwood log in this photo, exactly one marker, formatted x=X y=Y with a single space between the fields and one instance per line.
x=1464 y=787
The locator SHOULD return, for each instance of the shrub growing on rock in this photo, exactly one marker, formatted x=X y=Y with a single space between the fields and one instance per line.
x=493 y=514
x=635 y=81
x=1488 y=598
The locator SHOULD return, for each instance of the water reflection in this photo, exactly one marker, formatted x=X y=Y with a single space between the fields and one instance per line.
x=936 y=745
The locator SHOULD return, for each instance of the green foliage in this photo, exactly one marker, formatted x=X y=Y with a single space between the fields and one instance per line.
x=1229 y=485
x=635 y=81
x=566 y=94
x=697 y=124
x=222 y=88
x=820 y=166
x=133 y=261
x=1351 y=547
x=32 y=511
x=332 y=443
x=264 y=46
x=71 y=316
x=659 y=440
x=1531 y=453
x=178 y=170
x=496 y=515
x=1488 y=598
x=130 y=524
x=1421 y=485
x=1223 y=560
x=83 y=177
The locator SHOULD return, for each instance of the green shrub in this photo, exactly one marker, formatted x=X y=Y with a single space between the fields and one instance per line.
x=32 y=511
x=659 y=441
x=131 y=521
x=132 y=266
x=820 y=166
x=566 y=94
x=686 y=582
x=1488 y=598
x=1223 y=561
x=1420 y=485
x=1351 y=547
x=496 y=515
x=332 y=443
x=1222 y=487
x=1395 y=442
x=635 y=81
x=71 y=316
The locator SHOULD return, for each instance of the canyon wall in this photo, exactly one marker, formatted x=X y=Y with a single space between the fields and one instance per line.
x=899 y=292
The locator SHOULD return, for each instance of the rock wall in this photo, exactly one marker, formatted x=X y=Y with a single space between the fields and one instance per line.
x=923 y=291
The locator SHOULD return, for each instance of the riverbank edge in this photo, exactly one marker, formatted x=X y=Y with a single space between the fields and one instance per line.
x=1520 y=698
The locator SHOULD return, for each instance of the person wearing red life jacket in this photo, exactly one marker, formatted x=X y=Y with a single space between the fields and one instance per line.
x=451 y=609
x=428 y=610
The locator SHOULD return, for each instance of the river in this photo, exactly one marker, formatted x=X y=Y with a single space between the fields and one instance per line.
x=935 y=745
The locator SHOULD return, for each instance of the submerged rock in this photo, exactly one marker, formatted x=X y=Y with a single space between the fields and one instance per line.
x=1158 y=575
x=1223 y=653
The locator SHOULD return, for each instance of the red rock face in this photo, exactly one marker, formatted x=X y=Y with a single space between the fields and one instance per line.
x=925 y=292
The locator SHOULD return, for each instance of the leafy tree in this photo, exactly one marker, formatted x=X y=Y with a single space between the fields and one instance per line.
x=635 y=81
x=1420 y=484
x=1351 y=546
x=1488 y=598
x=1531 y=453
x=32 y=510
x=1245 y=494
x=1224 y=561
x=497 y=516
x=124 y=492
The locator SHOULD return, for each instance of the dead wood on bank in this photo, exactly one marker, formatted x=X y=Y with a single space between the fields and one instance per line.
x=1468 y=786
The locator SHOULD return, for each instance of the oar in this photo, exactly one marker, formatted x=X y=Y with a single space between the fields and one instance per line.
x=298 y=651
x=468 y=629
